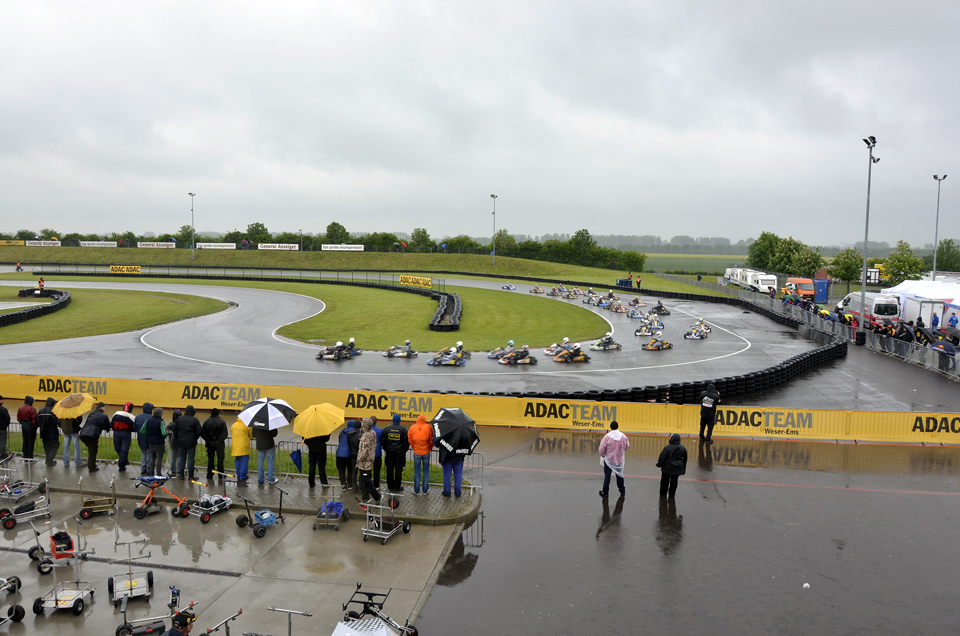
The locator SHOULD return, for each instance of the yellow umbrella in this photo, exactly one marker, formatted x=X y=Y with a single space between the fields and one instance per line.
x=317 y=420
x=74 y=405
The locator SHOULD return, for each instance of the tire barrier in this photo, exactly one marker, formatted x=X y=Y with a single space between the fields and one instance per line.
x=60 y=300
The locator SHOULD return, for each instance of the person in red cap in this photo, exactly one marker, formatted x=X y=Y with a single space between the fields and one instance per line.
x=122 y=423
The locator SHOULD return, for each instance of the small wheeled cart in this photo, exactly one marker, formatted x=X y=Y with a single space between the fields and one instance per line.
x=209 y=505
x=15 y=612
x=63 y=552
x=150 y=504
x=364 y=614
x=154 y=624
x=261 y=519
x=72 y=595
x=381 y=522
x=10 y=517
x=131 y=584
x=332 y=511
x=90 y=506
x=16 y=489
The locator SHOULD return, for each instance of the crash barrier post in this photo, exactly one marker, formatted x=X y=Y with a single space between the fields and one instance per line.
x=60 y=300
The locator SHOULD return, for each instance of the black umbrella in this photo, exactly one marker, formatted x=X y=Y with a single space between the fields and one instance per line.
x=267 y=413
x=455 y=430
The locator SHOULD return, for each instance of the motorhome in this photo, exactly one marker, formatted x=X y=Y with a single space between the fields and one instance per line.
x=751 y=279
x=878 y=306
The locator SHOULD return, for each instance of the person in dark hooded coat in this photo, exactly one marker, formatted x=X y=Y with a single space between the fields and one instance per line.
x=709 y=401
x=672 y=463
x=188 y=436
x=48 y=426
x=97 y=422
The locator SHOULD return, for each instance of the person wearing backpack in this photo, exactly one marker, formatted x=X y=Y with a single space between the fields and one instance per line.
x=672 y=463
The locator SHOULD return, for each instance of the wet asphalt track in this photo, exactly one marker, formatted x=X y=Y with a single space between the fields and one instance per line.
x=870 y=528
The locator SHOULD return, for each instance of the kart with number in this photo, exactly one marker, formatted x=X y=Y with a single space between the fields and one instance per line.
x=695 y=333
x=514 y=358
x=568 y=356
x=653 y=345
x=536 y=290
x=636 y=302
x=444 y=359
x=660 y=310
x=600 y=345
x=509 y=286
x=644 y=330
x=398 y=351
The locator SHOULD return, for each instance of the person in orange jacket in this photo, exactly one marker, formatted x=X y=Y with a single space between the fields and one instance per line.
x=421 y=440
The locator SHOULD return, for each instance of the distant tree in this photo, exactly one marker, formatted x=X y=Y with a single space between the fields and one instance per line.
x=291 y=238
x=420 y=241
x=183 y=236
x=903 y=264
x=337 y=234
x=258 y=233
x=683 y=239
x=847 y=266
x=794 y=257
x=556 y=251
x=761 y=252
x=463 y=244
x=26 y=235
x=506 y=244
x=948 y=256
x=379 y=241
x=530 y=250
x=236 y=236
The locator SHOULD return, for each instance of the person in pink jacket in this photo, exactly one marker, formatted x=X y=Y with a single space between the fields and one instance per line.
x=613 y=450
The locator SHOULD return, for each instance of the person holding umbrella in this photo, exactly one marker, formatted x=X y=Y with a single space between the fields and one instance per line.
x=455 y=434
x=365 y=456
x=265 y=416
x=266 y=454
x=315 y=425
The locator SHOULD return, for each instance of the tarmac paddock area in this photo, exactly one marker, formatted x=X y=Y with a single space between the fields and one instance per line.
x=225 y=568
x=871 y=529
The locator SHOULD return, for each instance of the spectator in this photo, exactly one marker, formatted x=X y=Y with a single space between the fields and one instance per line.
x=27 y=417
x=214 y=435
x=709 y=401
x=395 y=447
x=123 y=423
x=452 y=463
x=173 y=449
x=96 y=423
x=188 y=436
x=353 y=439
x=672 y=463
x=71 y=440
x=240 y=450
x=378 y=456
x=613 y=449
x=4 y=425
x=952 y=322
x=318 y=459
x=344 y=467
x=142 y=439
x=365 y=457
x=154 y=430
x=421 y=440
x=266 y=454
x=935 y=322
x=48 y=426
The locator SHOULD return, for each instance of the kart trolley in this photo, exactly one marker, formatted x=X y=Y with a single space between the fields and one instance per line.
x=209 y=505
x=370 y=606
x=261 y=519
x=132 y=584
x=15 y=612
x=150 y=504
x=90 y=506
x=9 y=517
x=63 y=552
x=332 y=511
x=16 y=489
x=72 y=595
x=153 y=624
x=381 y=522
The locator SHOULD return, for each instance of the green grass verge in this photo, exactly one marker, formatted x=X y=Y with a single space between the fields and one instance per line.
x=98 y=312
x=713 y=264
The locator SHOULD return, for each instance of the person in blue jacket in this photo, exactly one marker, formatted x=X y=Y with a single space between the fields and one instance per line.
x=378 y=454
x=344 y=466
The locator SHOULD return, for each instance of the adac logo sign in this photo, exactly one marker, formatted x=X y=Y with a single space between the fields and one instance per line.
x=72 y=385
x=408 y=406
x=773 y=422
x=581 y=414
x=930 y=424
x=229 y=396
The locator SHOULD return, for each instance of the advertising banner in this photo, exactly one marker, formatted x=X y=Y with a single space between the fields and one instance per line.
x=42 y=243
x=169 y=245
x=416 y=281
x=98 y=243
x=216 y=246
x=290 y=247
x=342 y=247
x=124 y=269
x=10 y=242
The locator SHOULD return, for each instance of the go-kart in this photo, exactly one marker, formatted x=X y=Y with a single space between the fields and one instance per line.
x=443 y=359
x=554 y=349
x=636 y=302
x=702 y=326
x=654 y=345
x=696 y=333
x=644 y=330
x=617 y=308
x=536 y=290
x=578 y=291
x=611 y=296
x=636 y=313
x=553 y=292
x=570 y=295
x=600 y=345
x=589 y=299
x=499 y=352
x=514 y=358
x=509 y=286
x=569 y=356
x=398 y=351
x=660 y=310
x=333 y=353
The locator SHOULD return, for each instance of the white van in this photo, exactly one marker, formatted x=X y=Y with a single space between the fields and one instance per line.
x=879 y=306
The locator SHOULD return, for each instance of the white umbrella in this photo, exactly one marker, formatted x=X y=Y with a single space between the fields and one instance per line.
x=267 y=414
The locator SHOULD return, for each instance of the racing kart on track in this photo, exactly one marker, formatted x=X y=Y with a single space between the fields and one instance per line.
x=600 y=345
x=589 y=299
x=397 y=351
x=553 y=292
x=444 y=359
x=696 y=333
x=499 y=352
x=644 y=330
x=536 y=290
x=636 y=302
x=569 y=356
x=554 y=349
x=509 y=286
x=660 y=310
x=570 y=295
x=617 y=308
x=514 y=357
x=653 y=345
x=637 y=313
x=337 y=353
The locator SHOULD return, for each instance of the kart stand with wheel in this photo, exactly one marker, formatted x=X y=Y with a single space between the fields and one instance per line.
x=90 y=506
x=10 y=517
x=209 y=505
x=16 y=489
x=381 y=522
x=261 y=519
x=132 y=584
x=289 y=614
x=332 y=512
x=15 y=612
x=153 y=624
x=73 y=595
x=63 y=552
x=370 y=605
x=150 y=504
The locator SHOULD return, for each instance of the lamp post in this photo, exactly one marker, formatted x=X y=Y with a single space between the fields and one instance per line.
x=193 y=230
x=494 y=241
x=936 y=227
x=301 y=240
x=871 y=142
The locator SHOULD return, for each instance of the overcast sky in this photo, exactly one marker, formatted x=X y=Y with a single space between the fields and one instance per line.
x=698 y=118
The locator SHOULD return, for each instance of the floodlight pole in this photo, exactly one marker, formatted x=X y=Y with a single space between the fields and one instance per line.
x=193 y=230
x=936 y=227
x=871 y=142
x=301 y=240
x=494 y=241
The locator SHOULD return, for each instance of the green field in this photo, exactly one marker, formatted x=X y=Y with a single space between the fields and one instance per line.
x=712 y=264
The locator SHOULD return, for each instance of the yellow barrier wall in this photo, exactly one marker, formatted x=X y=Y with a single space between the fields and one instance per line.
x=743 y=422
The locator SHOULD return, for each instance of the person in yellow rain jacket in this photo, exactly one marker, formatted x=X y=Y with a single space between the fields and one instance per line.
x=240 y=449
